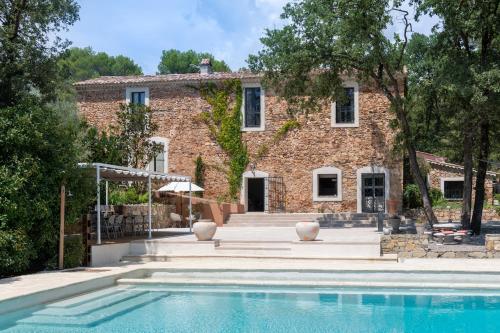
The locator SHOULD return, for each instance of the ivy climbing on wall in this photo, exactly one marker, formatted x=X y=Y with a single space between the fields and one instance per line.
x=224 y=124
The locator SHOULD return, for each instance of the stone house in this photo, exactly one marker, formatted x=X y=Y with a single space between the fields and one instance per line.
x=449 y=178
x=339 y=160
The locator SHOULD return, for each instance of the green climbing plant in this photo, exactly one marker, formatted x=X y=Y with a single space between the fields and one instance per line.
x=224 y=124
x=289 y=125
x=199 y=173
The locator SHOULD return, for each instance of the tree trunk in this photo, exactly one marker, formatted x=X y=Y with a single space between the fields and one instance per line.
x=414 y=167
x=422 y=184
x=482 y=168
x=467 y=189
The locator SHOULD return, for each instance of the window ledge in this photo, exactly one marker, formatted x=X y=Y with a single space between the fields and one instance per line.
x=326 y=199
x=336 y=125
x=253 y=129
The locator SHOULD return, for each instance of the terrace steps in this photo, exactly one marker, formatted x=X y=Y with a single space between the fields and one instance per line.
x=326 y=220
x=89 y=314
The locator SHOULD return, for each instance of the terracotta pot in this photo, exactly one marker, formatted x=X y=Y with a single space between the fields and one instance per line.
x=392 y=207
x=204 y=230
x=307 y=231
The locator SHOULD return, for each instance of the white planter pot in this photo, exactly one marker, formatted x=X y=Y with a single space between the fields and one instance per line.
x=204 y=230
x=307 y=231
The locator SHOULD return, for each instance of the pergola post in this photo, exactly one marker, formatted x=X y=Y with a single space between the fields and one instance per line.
x=149 y=206
x=98 y=181
x=190 y=208
x=107 y=191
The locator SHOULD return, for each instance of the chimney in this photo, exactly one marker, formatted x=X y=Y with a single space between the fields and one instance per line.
x=206 y=66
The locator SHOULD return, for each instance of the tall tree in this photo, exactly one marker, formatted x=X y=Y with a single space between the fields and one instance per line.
x=133 y=131
x=323 y=40
x=79 y=64
x=179 y=62
x=40 y=142
x=469 y=39
x=27 y=55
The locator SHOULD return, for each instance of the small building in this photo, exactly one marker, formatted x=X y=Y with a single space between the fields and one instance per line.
x=341 y=158
x=449 y=178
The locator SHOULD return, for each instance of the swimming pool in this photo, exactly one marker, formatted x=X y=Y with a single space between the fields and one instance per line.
x=164 y=308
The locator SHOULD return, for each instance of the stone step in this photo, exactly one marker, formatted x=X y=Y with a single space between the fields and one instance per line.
x=263 y=219
x=92 y=305
x=242 y=257
x=94 y=318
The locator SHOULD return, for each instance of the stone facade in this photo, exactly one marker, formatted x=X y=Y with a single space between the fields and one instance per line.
x=316 y=144
x=420 y=246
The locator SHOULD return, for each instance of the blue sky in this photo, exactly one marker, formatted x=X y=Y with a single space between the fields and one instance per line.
x=229 y=29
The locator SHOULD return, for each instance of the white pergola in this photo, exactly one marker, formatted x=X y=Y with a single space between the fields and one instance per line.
x=109 y=172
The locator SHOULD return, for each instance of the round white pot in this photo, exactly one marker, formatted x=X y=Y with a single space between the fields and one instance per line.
x=204 y=230
x=307 y=231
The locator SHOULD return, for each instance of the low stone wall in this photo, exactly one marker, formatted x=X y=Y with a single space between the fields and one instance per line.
x=443 y=214
x=421 y=246
x=160 y=211
x=492 y=243
x=405 y=245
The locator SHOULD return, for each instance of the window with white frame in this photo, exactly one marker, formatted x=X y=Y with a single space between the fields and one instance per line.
x=159 y=163
x=452 y=188
x=327 y=184
x=253 y=107
x=345 y=111
x=139 y=96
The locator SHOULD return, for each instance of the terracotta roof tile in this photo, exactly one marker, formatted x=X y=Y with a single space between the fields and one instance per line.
x=105 y=80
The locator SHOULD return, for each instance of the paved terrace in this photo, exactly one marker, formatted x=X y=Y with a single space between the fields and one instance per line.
x=273 y=234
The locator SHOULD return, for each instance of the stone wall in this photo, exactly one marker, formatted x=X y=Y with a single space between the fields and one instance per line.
x=444 y=214
x=316 y=144
x=421 y=246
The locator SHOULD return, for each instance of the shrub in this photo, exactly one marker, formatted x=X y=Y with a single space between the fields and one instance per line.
x=73 y=251
x=15 y=252
x=436 y=196
x=128 y=196
x=412 y=197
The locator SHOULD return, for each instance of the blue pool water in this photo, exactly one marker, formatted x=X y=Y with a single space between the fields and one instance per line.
x=174 y=309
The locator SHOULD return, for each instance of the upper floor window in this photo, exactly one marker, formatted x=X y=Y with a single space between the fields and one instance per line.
x=139 y=96
x=253 y=108
x=345 y=111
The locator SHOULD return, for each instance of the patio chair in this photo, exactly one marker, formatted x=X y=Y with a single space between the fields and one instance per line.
x=118 y=226
x=108 y=225
x=129 y=225
x=156 y=222
x=138 y=224
x=176 y=220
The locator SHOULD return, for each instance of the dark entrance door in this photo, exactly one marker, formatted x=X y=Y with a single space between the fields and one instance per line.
x=373 y=192
x=255 y=194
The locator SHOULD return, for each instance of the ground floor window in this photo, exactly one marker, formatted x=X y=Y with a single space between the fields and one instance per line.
x=453 y=189
x=327 y=184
